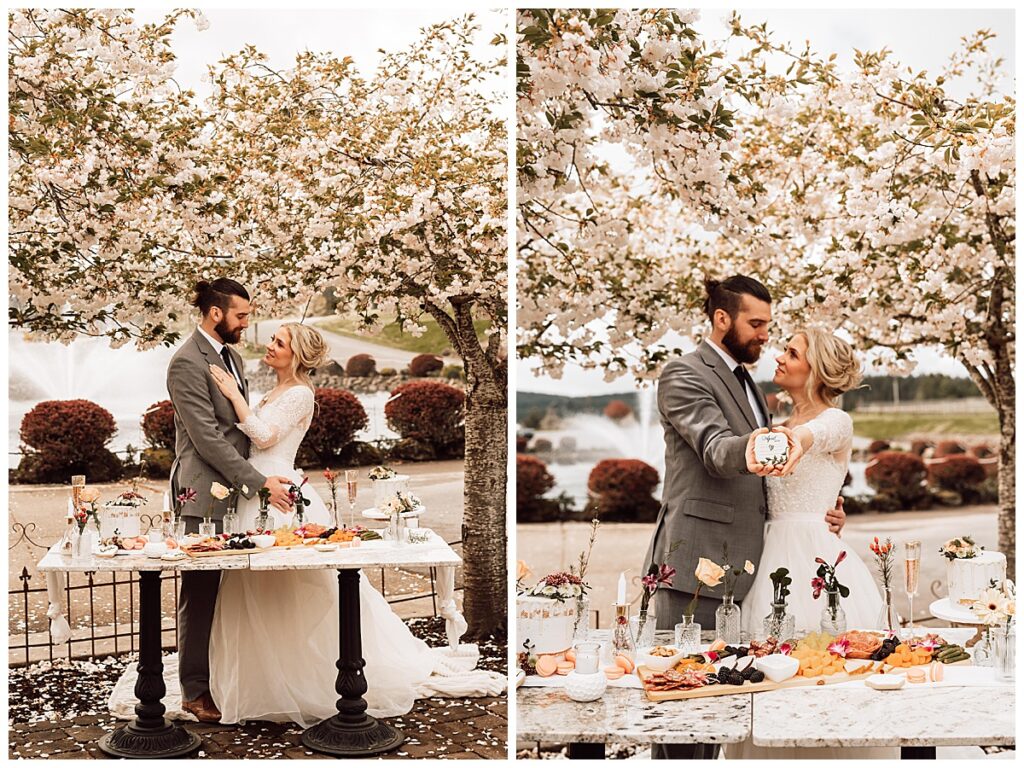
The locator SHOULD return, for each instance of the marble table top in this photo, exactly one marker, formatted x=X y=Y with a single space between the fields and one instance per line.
x=862 y=717
x=624 y=715
x=435 y=552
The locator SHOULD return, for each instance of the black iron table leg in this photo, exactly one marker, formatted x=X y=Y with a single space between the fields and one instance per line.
x=351 y=732
x=917 y=753
x=586 y=750
x=150 y=734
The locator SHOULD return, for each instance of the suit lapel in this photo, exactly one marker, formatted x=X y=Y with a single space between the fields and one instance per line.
x=211 y=356
x=715 y=362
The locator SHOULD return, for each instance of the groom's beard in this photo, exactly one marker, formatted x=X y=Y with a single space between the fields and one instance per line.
x=227 y=334
x=742 y=353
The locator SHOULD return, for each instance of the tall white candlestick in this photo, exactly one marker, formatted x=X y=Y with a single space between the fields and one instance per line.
x=71 y=509
x=167 y=501
x=622 y=589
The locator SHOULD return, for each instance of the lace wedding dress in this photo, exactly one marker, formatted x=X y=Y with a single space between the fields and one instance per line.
x=274 y=641
x=795 y=534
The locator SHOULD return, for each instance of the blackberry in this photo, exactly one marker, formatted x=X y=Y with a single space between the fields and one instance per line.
x=757 y=676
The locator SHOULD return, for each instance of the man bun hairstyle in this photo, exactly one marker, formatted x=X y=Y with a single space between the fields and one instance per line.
x=728 y=294
x=217 y=294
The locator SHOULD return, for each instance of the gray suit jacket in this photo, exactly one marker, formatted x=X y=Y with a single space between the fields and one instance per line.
x=208 y=447
x=709 y=498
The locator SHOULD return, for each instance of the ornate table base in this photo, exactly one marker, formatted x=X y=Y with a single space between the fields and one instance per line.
x=351 y=732
x=150 y=734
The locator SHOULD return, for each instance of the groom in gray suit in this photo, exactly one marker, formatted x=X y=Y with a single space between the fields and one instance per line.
x=209 y=448
x=709 y=405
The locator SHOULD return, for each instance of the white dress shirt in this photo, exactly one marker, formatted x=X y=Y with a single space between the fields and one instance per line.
x=755 y=405
x=217 y=347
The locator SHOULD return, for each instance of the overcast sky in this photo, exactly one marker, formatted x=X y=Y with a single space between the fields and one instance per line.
x=921 y=39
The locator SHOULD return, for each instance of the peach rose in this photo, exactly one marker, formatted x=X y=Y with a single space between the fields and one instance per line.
x=522 y=570
x=749 y=567
x=709 y=573
x=89 y=495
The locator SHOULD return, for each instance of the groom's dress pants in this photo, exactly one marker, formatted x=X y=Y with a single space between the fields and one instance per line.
x=670 y=604
x=197 y=600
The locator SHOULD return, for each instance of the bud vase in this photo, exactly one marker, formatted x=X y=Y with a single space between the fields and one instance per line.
x=642 y=627
x=983 y=654
x=230 y=522
x=778 y=623
x=833 y=617
x=1005 y=653
x=889 y=621
x=581 y=625
x=727 y=621
x=262 y=520
x=688 y=635
x=79 y=545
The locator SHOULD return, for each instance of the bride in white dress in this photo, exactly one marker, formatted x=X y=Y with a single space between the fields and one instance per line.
x=815 y=369
x=274 y=641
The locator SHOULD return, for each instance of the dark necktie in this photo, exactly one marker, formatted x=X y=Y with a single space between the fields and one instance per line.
x=746 y=381
x=227 y=361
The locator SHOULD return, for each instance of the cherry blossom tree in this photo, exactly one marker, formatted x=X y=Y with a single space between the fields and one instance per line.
x=389 y=189
x=869 y=200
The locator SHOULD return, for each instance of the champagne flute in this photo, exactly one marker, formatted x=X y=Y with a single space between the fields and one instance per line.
x=352 y=487
x=911 y=572
x=77 y=486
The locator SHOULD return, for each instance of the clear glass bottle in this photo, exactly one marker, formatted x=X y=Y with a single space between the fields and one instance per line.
x=888 y=620
x=688 y=635
x=728 y=621
x=622 y=638
x=1005 y=653
x=778 y=624
x=581 y=627
x=833 y=617
x=983 y=652
x=230 y=522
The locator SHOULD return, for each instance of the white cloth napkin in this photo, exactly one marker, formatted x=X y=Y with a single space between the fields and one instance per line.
x=60 y=630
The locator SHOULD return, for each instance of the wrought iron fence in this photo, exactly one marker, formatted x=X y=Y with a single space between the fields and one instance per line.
x=124 y=635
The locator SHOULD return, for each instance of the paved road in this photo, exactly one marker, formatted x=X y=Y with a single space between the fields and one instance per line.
x=548 y=547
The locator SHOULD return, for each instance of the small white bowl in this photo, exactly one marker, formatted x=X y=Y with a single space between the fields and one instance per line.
x=328 y=547
x=263 y=540
x=106 y=553
x=885 y=682
x=174 y=555
x=657 y=663
x=777 y=666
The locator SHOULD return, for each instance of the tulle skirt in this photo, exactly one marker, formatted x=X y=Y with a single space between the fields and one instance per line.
x=794 y=544
x=274 y=641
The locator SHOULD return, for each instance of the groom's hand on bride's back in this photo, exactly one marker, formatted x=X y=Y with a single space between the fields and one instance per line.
x=836 y=518
x=278 y=487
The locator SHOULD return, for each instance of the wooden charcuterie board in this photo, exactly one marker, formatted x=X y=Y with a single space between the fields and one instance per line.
x=227 y=552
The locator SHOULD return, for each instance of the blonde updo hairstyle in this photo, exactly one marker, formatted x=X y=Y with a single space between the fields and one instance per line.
x=834 y=367
x=309 y=351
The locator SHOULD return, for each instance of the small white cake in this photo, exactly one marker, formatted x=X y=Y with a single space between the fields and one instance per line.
x=968 y=577
x=547 y=624
x=123 y=521
x=385 y=490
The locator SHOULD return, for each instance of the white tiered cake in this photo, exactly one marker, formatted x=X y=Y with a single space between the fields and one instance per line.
x=120 y=520
x=968 y=577
x=387 y=489
x=546 y=623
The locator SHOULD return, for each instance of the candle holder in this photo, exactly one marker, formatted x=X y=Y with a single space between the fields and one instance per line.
x=622 y=638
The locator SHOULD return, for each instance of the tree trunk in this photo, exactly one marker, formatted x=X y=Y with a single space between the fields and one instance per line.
x=1007 y=459
x=485 y=597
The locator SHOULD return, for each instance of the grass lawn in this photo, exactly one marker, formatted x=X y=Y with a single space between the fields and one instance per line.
x=433 y=341
x=887 y=426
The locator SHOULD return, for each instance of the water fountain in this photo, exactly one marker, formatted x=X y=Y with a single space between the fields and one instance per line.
x=125 y=381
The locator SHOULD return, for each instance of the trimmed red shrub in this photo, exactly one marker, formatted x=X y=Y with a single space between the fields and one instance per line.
x=948 y=448
x=158 y=425
x=67 y=437
x=360 y=365
x=532 y=481
x=521 y=443
x=622 y=489
x=920 y=446
x=899 y=474
x=877 y=446
x=337 y=418
x=542 y=445
x=617 y=410
x=960 y=473
x=430 y=411
x=424 y=365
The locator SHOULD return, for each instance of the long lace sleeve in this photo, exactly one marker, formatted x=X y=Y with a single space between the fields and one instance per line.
x=832 y=431
x=275 y=420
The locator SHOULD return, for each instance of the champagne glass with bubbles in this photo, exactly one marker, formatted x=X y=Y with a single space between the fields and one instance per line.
x=352 y=488
x=911 y=574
